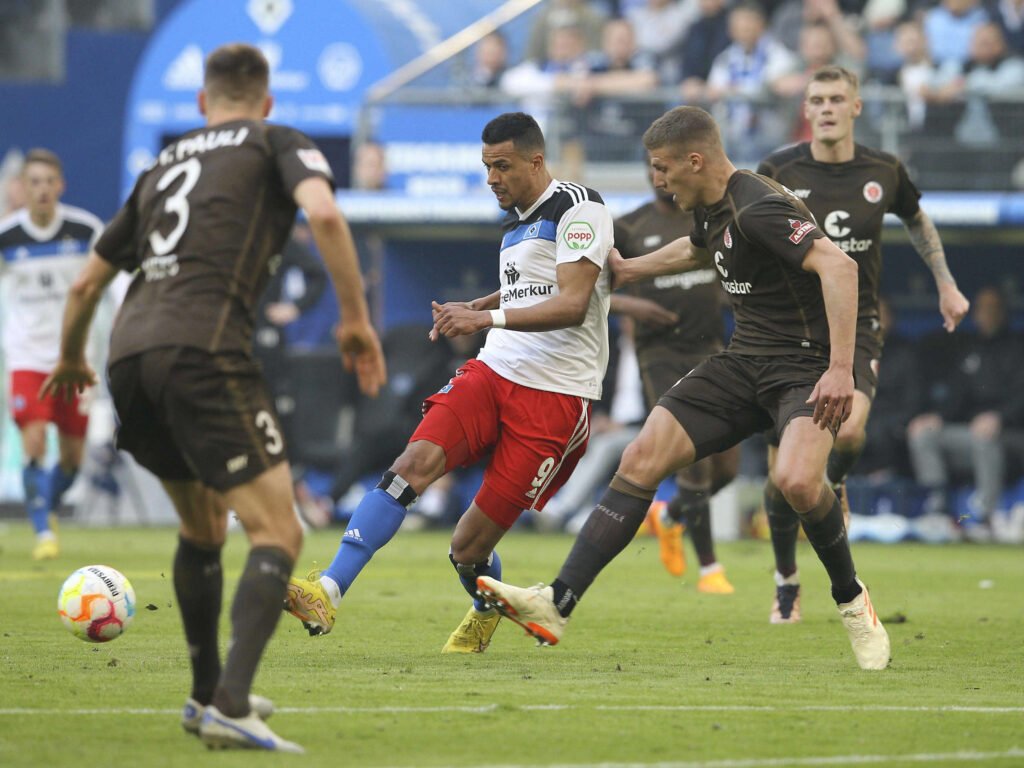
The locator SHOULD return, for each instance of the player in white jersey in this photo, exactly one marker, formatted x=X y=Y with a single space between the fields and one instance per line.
x=524 y=401
x=43 y=247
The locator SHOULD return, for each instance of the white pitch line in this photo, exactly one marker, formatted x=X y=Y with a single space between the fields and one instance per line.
x=784 y=762
x=487 y=708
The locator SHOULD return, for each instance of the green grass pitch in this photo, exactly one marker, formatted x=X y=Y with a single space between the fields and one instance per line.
x=649 y=673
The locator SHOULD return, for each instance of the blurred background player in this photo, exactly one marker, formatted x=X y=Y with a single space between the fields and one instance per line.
x=525 y=400
x=199 y=230
x=849 y=188
x=666 y=353
x=44 y=246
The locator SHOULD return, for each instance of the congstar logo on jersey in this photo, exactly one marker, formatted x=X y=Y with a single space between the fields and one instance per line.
x=579 y=235
x=835 y=228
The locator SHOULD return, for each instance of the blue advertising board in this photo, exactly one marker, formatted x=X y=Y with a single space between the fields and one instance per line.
x=323 y=55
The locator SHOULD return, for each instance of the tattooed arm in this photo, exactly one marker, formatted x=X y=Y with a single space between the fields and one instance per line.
x=925 y=238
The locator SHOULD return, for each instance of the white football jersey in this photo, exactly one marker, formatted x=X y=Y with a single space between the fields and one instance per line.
x=568 y=223
x=37 y=268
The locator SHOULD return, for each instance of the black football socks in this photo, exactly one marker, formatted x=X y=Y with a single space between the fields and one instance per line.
x=254 y=616
x=199 y=587
x=611 y=526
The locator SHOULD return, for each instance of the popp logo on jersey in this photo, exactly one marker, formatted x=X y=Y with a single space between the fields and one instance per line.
x=873 y=191
x=579 y=235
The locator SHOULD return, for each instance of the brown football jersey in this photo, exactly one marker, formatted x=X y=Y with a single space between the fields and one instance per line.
x=695 y=296
x=758 y=235
x=849 y=201
x=202 y=227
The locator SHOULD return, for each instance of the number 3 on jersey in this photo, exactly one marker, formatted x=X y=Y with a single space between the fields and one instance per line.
x=176 y=205
x=264 y=421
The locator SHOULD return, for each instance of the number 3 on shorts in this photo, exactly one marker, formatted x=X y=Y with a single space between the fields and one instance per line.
x=265 y=422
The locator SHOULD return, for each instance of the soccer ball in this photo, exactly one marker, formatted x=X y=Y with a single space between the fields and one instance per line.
x=96 y=603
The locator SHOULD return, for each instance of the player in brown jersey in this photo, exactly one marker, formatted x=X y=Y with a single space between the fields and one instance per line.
x=200 y=231
x=789 y=366
x=849 y=188
x=666 y=353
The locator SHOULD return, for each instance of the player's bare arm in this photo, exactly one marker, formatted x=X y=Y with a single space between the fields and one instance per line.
x=72 y=373
x=641 y=309
x=925 y=238
x=833 y=394
x=360 y=348
x=576 y=281
x=678 y=256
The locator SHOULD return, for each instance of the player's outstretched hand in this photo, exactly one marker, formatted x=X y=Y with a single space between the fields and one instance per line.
x=361 y=352
x=455 y=318
x=615 y=264
x=953 y=305
x=67 y=380
x=644 y=310
x=832 y=398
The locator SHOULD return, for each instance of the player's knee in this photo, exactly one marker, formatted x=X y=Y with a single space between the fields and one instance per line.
x=640 y=464
x=420 y=464
x=851 y=438
x=801 y=489
x=289 y=535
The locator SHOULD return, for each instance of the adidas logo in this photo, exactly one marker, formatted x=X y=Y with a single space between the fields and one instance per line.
x=353 y=533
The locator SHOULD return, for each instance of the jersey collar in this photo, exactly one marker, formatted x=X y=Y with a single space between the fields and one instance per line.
x=523 y=215
x=43 y=234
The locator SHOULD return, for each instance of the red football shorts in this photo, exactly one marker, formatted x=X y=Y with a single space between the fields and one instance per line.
x=71 y=418
x=535 y=438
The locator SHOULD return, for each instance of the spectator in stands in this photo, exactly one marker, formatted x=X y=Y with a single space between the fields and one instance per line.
x=619 y=68
x=817 y=48
x=490 y=60
x=32 y=40
x=897 y=400
x=566 y=64
x=949 y=27
x=1009 y=15
x=708 y=37
x=917 y=73
x=981 y=395
x=560 y=14
x=792 y=16
x=370 y=167
x=750 y=68
x=608 y=125
x=879 y=22
x=661 y=27
x=989 y=72
x=992 y=68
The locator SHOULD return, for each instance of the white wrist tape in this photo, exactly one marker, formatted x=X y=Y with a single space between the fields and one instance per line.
x=497 y=318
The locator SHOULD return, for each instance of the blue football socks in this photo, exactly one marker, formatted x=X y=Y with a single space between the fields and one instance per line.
x=36 y=481
x=375 y=521
x=491 y=568
x=59 y=482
